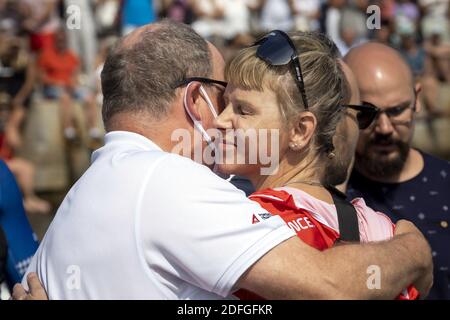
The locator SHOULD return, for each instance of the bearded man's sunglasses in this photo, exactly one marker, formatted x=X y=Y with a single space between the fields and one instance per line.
x=366 y=114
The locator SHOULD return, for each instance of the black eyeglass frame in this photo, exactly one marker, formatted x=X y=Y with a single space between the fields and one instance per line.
x=370 y=111
x=293 y=58
x=200 y=79
x=389 y=111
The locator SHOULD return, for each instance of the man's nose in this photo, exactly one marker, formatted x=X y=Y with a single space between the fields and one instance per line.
x=383 y=125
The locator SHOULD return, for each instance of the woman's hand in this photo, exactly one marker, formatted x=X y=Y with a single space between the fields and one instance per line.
x=37 y=291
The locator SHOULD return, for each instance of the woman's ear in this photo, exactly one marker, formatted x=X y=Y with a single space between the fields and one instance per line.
x=302 y=130
x=192 y=100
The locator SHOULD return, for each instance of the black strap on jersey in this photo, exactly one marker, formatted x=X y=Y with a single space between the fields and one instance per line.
x=347 y=217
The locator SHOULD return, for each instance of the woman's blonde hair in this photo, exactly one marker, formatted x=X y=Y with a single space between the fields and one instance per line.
x=325 y=83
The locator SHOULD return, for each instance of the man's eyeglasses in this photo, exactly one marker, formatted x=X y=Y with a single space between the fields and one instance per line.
x=202 y=80
x=397 y=115
x=277 y=49
x=366 y=114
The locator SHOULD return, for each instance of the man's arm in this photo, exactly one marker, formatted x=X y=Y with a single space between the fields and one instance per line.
x=294 y=270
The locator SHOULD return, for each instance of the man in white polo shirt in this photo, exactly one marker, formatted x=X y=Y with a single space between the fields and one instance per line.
x=144 y=223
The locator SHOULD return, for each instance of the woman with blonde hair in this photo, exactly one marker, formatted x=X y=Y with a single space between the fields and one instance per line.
x=296 y=88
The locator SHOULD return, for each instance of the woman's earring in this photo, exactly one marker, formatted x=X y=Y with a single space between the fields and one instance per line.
x=331 y=155
x=294 y=146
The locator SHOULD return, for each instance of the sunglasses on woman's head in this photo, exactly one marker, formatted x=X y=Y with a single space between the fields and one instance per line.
x=277 y=49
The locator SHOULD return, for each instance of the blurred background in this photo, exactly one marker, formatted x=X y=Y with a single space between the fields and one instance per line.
x=50 y=96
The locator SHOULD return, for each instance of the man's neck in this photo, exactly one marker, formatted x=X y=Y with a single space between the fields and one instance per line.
x=143 y=125
x=412 y=168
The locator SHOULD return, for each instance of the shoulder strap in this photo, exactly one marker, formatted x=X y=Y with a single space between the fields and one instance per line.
x=347 y=217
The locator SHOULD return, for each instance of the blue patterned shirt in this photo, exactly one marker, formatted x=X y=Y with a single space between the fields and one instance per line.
x=424 y=200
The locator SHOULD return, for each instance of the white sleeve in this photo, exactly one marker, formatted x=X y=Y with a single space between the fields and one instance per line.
x=197 y=227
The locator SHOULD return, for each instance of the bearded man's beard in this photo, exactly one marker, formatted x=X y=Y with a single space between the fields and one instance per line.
x=382 y=166
x=337 y=168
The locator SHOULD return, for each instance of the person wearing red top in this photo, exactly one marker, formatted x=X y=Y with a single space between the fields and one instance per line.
x=59 y=68
x=313 y=126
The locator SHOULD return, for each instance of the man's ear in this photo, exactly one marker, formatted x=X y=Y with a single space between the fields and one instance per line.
x=193 y=100
x=417 y=91
x=302 y=130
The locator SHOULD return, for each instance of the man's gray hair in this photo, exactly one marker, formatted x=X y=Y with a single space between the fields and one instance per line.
x=141 y=77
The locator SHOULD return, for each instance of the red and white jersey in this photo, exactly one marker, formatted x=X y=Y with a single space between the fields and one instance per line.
x=316 y=222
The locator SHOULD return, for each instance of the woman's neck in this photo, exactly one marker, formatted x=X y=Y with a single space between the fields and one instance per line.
x=304 y=175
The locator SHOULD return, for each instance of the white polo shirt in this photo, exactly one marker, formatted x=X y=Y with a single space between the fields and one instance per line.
x=142 y=223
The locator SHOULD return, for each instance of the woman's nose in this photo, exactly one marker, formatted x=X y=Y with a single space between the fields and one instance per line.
x=224 y=120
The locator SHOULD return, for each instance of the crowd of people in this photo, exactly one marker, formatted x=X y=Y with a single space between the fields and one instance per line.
x=41 y=55
x=112 y=60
